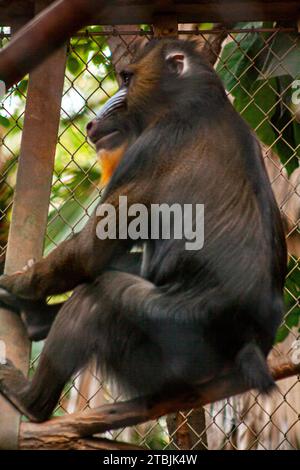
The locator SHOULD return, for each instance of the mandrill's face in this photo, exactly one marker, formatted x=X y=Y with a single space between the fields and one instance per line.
x=151 y=85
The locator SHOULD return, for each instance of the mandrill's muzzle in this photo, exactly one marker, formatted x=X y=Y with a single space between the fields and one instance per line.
x=101 y=128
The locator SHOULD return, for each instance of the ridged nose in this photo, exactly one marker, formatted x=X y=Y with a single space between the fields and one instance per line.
x=117 y=101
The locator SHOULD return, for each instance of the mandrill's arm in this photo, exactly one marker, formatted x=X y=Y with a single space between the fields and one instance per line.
x=77 y=260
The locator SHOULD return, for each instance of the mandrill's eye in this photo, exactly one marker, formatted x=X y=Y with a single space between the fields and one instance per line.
x=126 y=77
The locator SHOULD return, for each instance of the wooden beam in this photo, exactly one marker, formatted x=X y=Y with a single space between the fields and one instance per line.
x=15 y=9
x=30 y=210
x=165 y=26
x=202 y=11
x=137 y=12
x=63 y=18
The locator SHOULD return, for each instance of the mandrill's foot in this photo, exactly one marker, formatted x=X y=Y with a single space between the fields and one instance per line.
x=37 y=316
x=13 y=385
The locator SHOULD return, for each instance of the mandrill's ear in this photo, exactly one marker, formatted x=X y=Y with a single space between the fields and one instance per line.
x=177 y=62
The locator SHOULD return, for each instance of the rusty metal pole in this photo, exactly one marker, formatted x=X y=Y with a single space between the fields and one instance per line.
x=44 y=34
x=30 y=208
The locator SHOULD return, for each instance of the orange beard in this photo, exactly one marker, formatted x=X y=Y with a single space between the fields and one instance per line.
x=109 y=160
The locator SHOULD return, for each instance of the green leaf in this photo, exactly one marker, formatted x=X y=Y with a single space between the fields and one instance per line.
x=257 y=107
x=237 y=55
x=291 y=320
x=98 y=59
x=229 y=55
x=291 y=293
x=286 y=144
x=4 y=121
x=73 y=64
x=22 y=86
x=282 y=333
x=283 y=57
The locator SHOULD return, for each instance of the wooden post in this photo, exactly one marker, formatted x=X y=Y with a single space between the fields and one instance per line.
x=30 y=209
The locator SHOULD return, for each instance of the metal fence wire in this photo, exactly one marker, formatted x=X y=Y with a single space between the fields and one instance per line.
x=260 y=69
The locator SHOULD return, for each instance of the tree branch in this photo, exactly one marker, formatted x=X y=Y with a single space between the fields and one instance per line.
x=98 y=420
x=34 y=441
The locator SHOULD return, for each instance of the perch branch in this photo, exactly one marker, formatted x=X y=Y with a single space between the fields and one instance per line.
x=61 y=442
x=114 y=416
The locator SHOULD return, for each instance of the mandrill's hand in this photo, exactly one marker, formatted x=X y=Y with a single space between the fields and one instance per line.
x=8 y=300
x=15 y=285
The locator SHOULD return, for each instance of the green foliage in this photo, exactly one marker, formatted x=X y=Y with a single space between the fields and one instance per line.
x=259 y=78
x=21 y=88
x=73 y=64
x=4 y=121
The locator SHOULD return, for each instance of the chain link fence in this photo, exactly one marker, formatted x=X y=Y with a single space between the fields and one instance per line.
x=260 y=68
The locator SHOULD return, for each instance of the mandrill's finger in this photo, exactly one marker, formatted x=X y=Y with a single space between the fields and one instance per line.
x=8 y=300
x=29 y=264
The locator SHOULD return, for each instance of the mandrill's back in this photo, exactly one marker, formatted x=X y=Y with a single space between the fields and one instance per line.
x=229 y=292
x=219 y=165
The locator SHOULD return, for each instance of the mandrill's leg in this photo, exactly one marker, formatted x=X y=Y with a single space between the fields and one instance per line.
x=69 y=346
x=84 y=327
x=132 y=329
